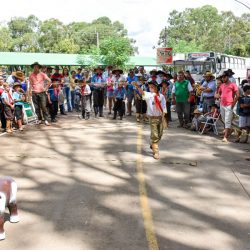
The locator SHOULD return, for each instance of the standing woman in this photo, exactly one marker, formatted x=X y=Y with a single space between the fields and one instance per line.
x=156 y=110
x=72 y=88
x=66 y=88
x=110 y=92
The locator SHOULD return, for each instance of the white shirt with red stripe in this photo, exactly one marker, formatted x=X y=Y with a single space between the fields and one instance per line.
x=152 y=110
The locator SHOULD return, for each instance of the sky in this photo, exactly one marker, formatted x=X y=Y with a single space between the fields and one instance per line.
x=144 y=19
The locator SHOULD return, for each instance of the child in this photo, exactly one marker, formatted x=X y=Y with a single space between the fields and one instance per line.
x=156 y=110
x=195 y=121
x=77 y=97
x=53 y=97
x=244 y=113
x=85 y=98
x=120 y=95
x=8 y=107
x=19 y=98
x=61 y=99
x=140 y=104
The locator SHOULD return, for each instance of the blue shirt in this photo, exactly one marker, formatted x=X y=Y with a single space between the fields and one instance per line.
x=79 y=76
x=132 y=79
x=246 y=110
x=120 y=93
x=130 y=87
x=53 y=96
x=98 y=79
x=24 y=86
x=211 y=85
x=17 y=96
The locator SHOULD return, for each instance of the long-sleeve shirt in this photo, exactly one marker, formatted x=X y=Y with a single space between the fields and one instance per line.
x=151 y=107
x=120 y=93
x=85 y=90
x=98 y=80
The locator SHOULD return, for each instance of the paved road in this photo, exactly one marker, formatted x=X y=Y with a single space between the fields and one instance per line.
x=94 y=185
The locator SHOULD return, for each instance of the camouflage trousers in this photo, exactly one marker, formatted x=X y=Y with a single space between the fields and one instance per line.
x=156 y=129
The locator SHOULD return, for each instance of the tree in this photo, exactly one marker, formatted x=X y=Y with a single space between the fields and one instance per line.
x=205 y=29
x=66 y=45
x=24 y=33
x=52 y=32
x=52 y=36
x=116 y=51
x=5 y=39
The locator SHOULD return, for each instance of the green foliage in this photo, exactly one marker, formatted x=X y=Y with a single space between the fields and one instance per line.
x=52 y=36
x=205 y=29
x=116 y=52
x=5 y=39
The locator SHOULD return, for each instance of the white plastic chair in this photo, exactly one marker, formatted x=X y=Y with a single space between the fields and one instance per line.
x=211 y=121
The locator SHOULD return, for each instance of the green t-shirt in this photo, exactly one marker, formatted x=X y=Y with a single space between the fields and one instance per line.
x=181 y=91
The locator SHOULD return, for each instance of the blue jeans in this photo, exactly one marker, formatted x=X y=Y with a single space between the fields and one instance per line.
x=72 y=93
x=66 y=92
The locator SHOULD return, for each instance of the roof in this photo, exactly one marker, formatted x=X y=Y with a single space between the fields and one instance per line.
x=23 y=59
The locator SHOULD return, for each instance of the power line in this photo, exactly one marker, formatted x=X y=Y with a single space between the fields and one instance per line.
x=242 y=4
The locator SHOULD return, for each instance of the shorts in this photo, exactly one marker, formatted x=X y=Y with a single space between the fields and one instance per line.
x=130 y=97
x=227 y=115
x=8 y=113
x=244 y=121
x=110 y=94
x=18 y=112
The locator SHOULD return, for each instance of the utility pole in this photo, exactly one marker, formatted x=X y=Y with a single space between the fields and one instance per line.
x=97 y=39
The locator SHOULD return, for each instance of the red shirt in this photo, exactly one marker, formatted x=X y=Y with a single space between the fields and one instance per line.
x=227 y=92
x=57 y=77
x=37 y=82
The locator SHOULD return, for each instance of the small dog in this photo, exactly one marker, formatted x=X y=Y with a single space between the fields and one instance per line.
x=8 y=192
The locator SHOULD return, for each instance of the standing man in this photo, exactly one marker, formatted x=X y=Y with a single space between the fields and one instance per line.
x=181 y=94
x=38 y=90
x=57 y=76
x=98 y=81
x=208 y=89
x=229 y=95
x=117 y=76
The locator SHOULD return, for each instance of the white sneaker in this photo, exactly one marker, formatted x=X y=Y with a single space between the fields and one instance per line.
x=46 y=123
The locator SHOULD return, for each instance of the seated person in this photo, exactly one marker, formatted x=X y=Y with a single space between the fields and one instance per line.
x=209 y=117
x=195 y=121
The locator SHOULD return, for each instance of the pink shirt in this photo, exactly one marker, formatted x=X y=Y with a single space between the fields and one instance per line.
x=37 y=82
x=227 y=92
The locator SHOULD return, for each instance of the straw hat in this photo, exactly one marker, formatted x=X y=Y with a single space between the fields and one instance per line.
x=19 y=75
x=17 y=84
x=196 y=111
x=209 y=74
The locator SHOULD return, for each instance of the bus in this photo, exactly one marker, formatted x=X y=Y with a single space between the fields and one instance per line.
x=200 y=62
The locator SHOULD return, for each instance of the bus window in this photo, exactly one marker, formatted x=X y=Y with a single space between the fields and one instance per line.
x=236 y=60
x=227 y=62
x=218 y=65
x=232 y=63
